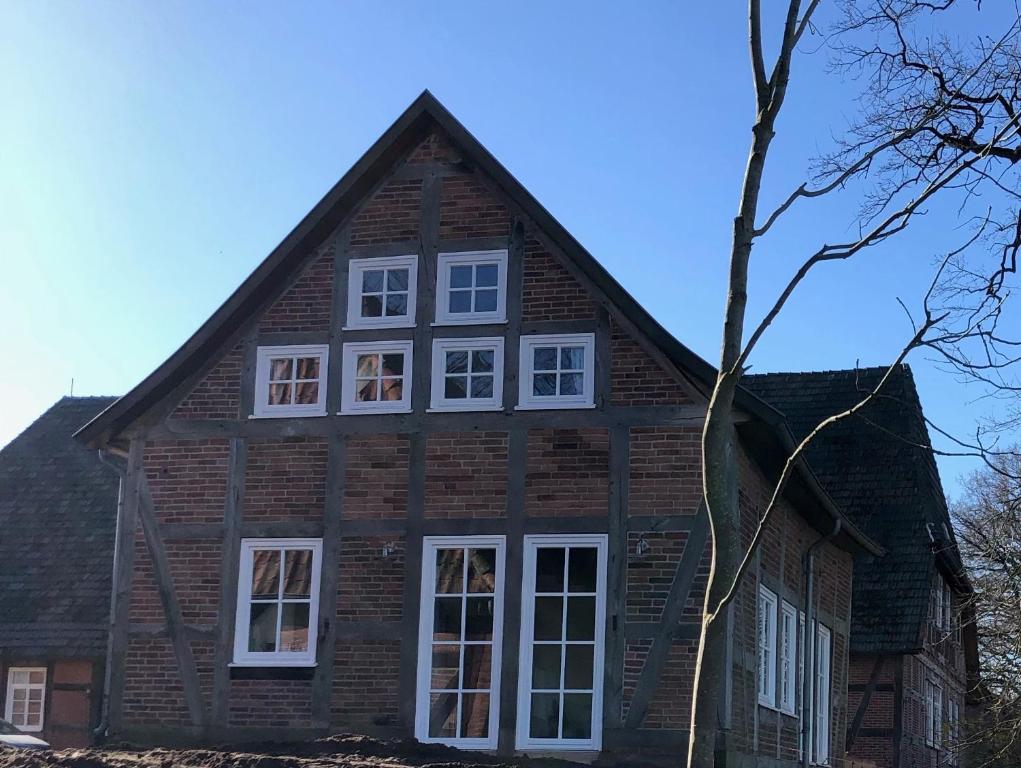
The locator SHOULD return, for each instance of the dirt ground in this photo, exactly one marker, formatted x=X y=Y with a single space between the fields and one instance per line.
x=331 y=752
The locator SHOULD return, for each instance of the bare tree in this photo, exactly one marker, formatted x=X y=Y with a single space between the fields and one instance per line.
x=988 y=523
x=935 y=118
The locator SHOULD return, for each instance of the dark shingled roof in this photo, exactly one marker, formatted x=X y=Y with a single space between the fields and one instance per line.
x=58 y=509
x=879 y=467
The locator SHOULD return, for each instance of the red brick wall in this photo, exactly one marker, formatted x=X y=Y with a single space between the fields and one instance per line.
x=637 y=379
x=567 y=472
x=305 y=305
x=468 y=209
x=371 y=585
x=188 y=479
x=271 y=703
x=153 y=695
x=665 y=470
x=376 y=482
x=466 y=474
x=393 y=214
x=365 y=683
x=549 y=292
x=285 y=479
x=218 y=394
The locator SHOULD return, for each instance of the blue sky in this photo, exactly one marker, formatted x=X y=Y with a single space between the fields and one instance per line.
x=152 y=154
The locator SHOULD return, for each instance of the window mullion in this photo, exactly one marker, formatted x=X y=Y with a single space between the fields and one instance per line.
x=280 y=602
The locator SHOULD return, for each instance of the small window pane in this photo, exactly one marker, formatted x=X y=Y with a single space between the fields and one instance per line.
x=581 y=569
x=478 y=620
x=461 y=276
x=478 y=666
x=21 y=676
x=544 y=359
x=474 y=715
x=545 y=716
x=294 y=627
x=546 y=666
x=307 y=393
x=442 y=715
x=482 y=361
x=372 y=305
x=397 y=280
x=486 y=275
x=544 y=384
x=262 y=628
x=393 y=389
x=460 y=301
x=482 y=570
x=393 y=364
x=279 y=368
x=482 y=386
x=549 y=569
x=549 y=618
x=366 y=391
x=571 y=384
x=578 y=666
x=279 y=394
x=20 y=694
x=457 y=361
x=455 y=387
x=485 y=301
x=447 y=619
x=577 y=715
x=397 y=305
x=449 y=571
x=265 y=573
x=368 y=366
x=308 y=368
x=581 y=618
x=572 y=358
x=372 y=281
x=446 y=667
x=297 y=573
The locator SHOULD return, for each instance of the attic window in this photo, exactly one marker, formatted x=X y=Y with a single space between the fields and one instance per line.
x=381 y=292
x=471 y=287
x=557 y=371
x=26 y=692
x=377 y=377
x=290 y=381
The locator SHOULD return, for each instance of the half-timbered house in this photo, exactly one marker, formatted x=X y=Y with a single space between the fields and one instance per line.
x=430 y=471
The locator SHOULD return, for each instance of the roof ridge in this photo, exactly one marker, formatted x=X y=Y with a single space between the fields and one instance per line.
x=860 y=369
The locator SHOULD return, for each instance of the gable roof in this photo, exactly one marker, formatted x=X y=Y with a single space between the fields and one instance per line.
x=879 y=467
x=58 y=508
x=767 y=431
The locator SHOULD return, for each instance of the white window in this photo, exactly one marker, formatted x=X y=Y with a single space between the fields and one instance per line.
x=291 y=381
x=467 y=374
x=560 y=686
x=788 y=654
x=821 y=725
x=471 y=287
x=933 y=714
x=947 y=612
x=953 y=729
x=278 y=602
x=767 y=647
x=459 y=641
x=557 y=371
x=377 y=377
x=26 y=696
x=381 y=292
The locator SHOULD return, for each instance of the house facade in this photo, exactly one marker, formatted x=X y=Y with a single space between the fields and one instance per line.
x=913 y=649
x=432 y=472
x=58 y=505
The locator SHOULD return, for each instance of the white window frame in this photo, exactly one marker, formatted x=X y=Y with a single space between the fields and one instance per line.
x=439 y=371
x=242 y=656
x=788 y=652
x=261 y=408
x=356 y=267
x=933 y=714
x=27 y=687
x=766 y=644
x=445 y=261
x=953 y=729
x=821 y=695
x=348 y=405
x=947 y=600
x=526 y=361
x=430 y=545
x=532 y=544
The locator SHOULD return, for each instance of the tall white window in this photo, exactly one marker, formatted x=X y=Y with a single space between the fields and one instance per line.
x=788 y=654
x=933 y=714
x=467 y=374
x=471 y=287
x=557 y=371
x=381 y=292
x=560 y=686
x=459 y=641
x=376 y=377
x=278 y=602
x=821 y=725
x=291 y=381
x=947 y=601
x=767 y=647
x=26 y=697
x=953 y=729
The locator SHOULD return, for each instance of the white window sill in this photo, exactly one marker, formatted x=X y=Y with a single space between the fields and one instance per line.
x=268 y=663
x=554 y=406
x=377 y=326
x=768 y=705
x=469 y=321
x=468 y=409
x=374 y=411
x=290 y=415
x=551 y=749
